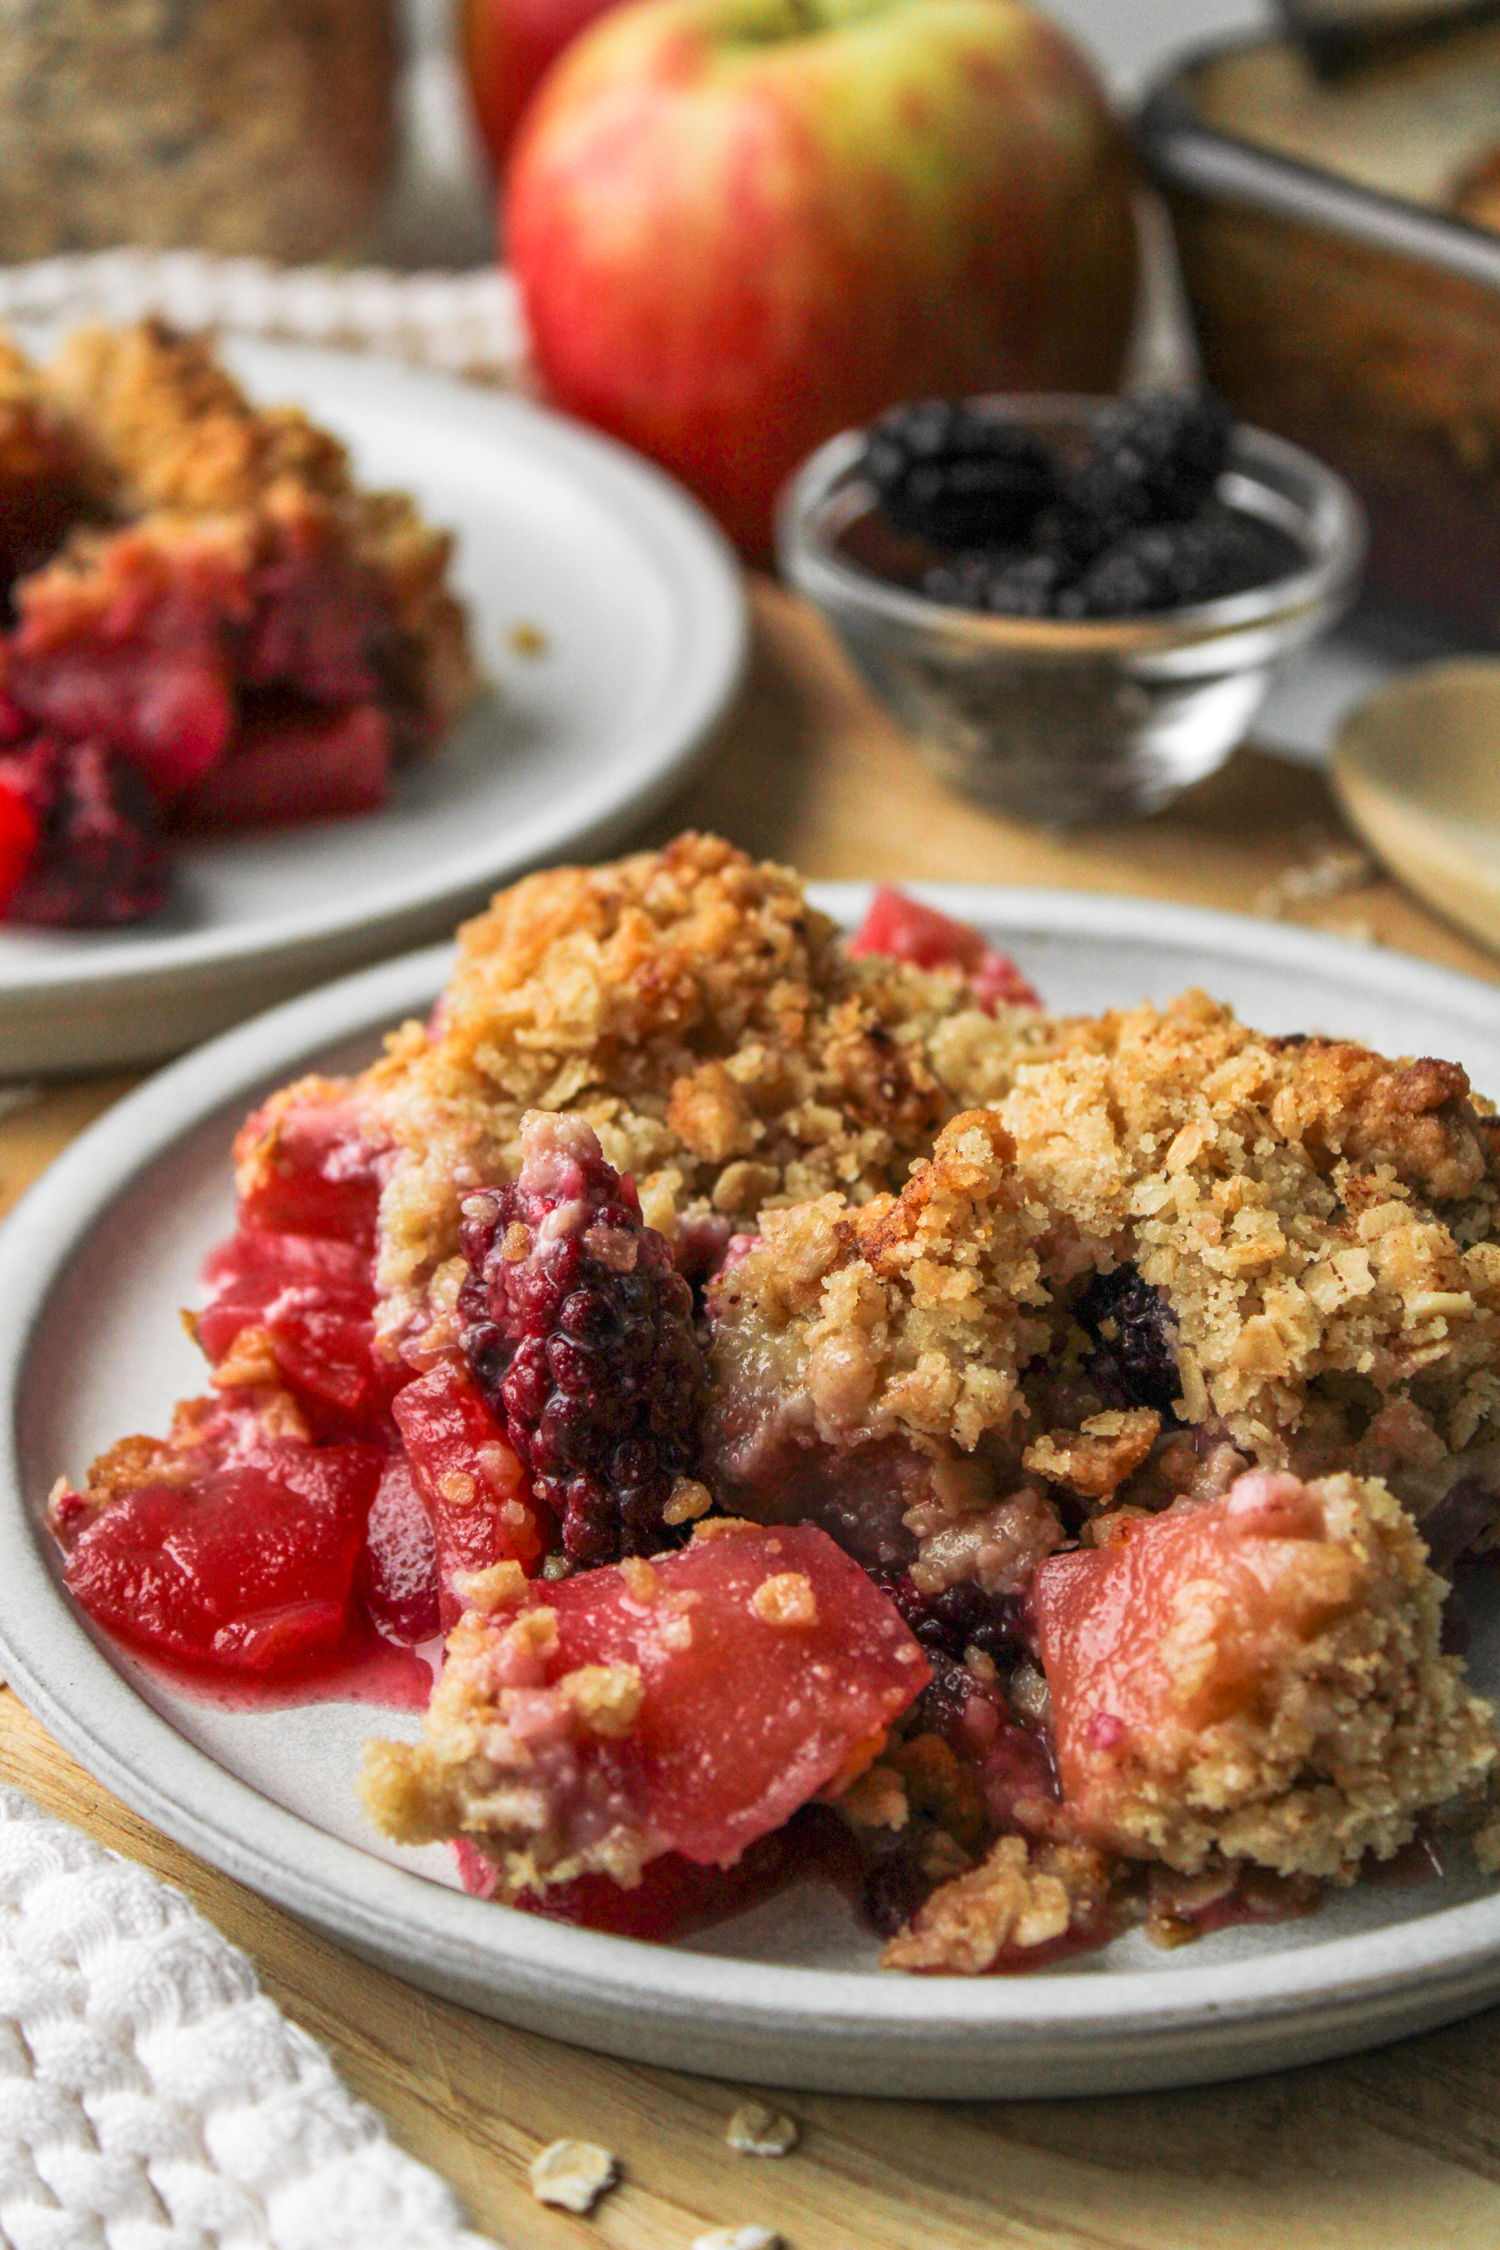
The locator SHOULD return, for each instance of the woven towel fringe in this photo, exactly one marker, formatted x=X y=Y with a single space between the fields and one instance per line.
x=153 y=2098
x=463 y=323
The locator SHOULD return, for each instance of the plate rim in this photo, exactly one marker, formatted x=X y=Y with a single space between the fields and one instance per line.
x=662 y=521
x=519 y=1961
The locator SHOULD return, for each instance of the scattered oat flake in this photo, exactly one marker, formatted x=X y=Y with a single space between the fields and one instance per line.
x=756 y=2130
x=527 y=640
x=1330 y=870
x=739 y=2238
x=573 y=2174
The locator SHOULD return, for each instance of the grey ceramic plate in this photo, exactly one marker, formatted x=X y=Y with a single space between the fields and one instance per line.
x=92 y=1268
x=631 y=607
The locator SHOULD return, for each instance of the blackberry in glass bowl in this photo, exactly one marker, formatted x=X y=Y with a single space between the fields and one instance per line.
x=1076 y=605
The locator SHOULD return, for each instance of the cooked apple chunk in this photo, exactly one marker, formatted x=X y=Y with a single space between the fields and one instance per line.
x=1258 y=1676
x=689 y=1704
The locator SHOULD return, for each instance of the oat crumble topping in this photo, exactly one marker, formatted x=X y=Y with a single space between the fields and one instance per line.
x=1146 y=1366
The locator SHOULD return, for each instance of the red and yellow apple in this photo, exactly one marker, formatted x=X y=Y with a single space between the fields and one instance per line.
x=742 y=225
x=508 y=47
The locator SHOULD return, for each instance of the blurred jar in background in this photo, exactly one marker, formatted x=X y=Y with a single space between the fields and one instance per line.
x=249 y=127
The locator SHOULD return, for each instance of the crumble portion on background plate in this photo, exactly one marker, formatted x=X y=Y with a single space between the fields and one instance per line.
x=1093 y=1398
x=209 y=625
x=172 y=434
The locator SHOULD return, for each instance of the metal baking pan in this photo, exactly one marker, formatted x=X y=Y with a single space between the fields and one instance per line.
x=1338 y=302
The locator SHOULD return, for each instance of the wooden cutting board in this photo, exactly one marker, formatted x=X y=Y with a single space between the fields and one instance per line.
x=1397 y=2148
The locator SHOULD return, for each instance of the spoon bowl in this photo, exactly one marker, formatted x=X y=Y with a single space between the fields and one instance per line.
x=1417 y=771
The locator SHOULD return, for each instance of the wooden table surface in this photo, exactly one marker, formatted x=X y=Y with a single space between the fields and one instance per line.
x=1401 y=2147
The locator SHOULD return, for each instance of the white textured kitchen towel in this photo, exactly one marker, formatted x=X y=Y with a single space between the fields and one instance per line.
x=153 y=2098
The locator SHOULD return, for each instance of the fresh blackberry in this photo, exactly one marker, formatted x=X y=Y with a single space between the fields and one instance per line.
x=1172 y=566
x=1070 y=540
x=579 y=1331
x=1154 y=459
x=945 y=473
x=100 y=859
x=1006 y=584
x=1135 y=1335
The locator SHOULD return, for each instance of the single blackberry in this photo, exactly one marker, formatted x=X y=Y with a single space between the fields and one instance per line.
x=1070 y=540
x=1452 y=1525
x=956 y=477
x=1005 y=584
x=1172 y=566
x=940 y=1707
x=100 y=860
x=579 y=1331
x=1135 y=1334
x=959 y=1618
x=896 y=1885
x=1154 y=459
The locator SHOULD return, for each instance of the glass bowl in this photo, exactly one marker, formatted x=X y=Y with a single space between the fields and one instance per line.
x=1052 y=720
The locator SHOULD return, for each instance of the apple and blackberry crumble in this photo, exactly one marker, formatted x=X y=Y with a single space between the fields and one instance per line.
x=836 y=1413
x=206 y=623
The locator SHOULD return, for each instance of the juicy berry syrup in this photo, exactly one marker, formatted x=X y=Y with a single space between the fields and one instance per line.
x=365 y=1669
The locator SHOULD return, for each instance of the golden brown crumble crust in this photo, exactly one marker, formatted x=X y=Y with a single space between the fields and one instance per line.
x=933 y=1190
x=708 y=1025
x=1321 y=1222
x=1020 y=1897
x=1320 y=1225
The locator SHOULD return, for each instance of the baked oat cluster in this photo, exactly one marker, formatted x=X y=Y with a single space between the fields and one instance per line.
x=207 y=624
x=831 y=1405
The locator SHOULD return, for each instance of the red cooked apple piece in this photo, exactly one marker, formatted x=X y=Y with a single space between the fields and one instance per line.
x=98 y=860
x=305 y=1163
x=1258 y=1676
x=144 y=637
x=675 y=1895
x=398 y=1569
x=687 y=1704
x=473 y=1485
x=122 y=640
x=242 y=1561
x=19 y=835
x=288 y=766
x=305 y=1304
x=908 y=931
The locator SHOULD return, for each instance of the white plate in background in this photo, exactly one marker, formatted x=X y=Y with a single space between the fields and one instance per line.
x=93 y=1266
x=637 y=605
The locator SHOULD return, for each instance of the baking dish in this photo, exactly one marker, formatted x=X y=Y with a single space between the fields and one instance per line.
x=1337 y=301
